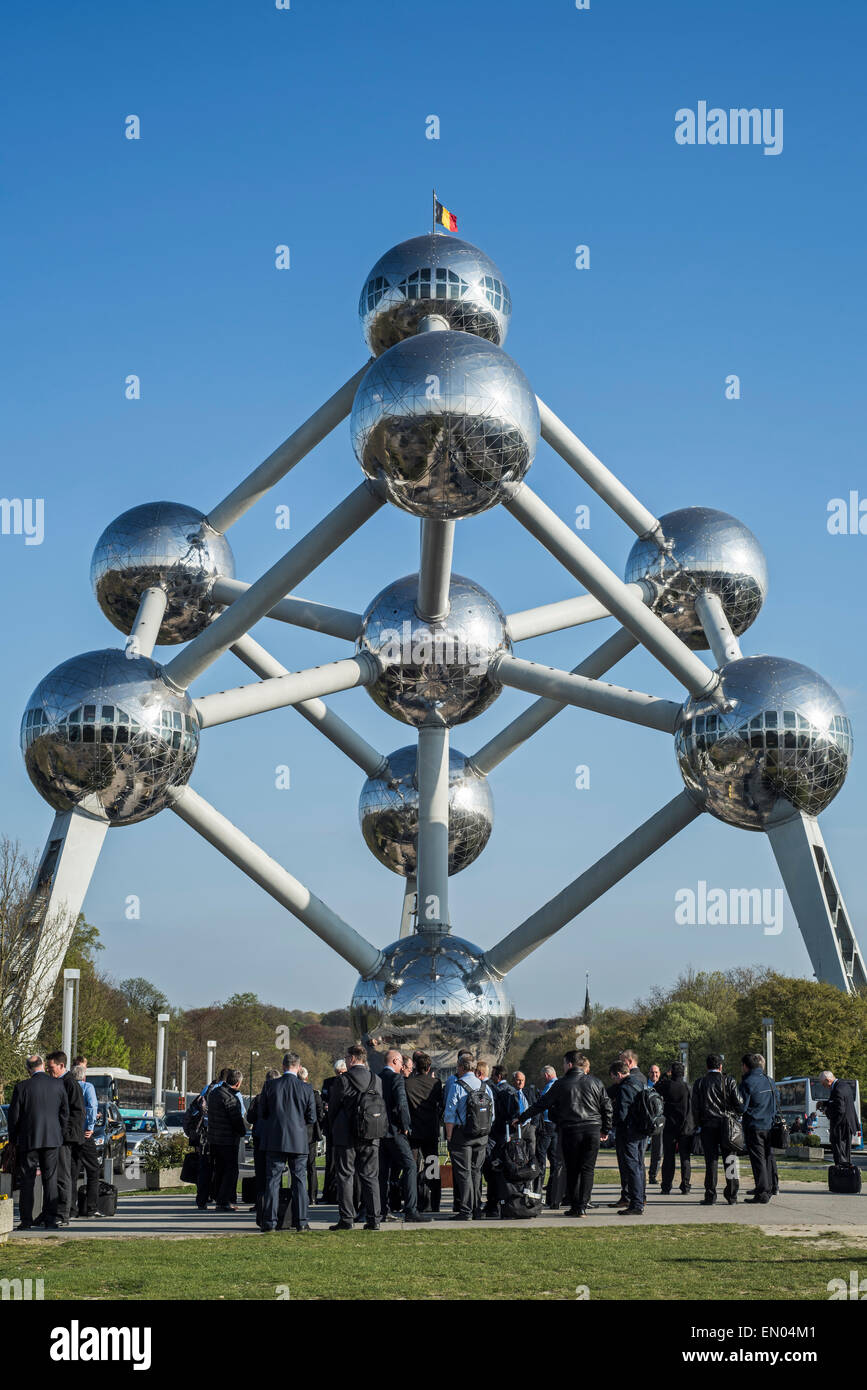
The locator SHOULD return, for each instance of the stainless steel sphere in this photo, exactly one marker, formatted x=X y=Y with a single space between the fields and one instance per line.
x=433 y=274
x=107 y=732
x=160 y=545
x=424 y=1002
x=783 y=746
x=434 y=671
x=445 y=420
x=712 y=550
x=388 y=812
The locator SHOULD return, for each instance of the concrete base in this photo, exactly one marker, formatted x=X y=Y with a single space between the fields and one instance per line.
x=166 y=1177
x=7 y=1218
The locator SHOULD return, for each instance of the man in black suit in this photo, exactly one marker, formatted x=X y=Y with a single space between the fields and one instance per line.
x=73 y=1134
x=395 y=1154
x=678 y=1128
x=715 y=1096
x=329 y=1191
x=37 y=1119
x=842 y=1120
x=424 y=1096
x=353 y=1155
x=286 y=1109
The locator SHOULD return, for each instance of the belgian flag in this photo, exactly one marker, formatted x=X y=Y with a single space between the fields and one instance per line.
x=444 y=218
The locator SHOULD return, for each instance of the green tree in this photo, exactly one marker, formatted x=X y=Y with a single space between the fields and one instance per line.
x=674 y=1023
x=815 y=1026
x=102 y=1043
x=143 y=997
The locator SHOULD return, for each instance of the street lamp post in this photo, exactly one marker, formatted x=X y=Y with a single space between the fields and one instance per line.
x=70 y=1009
x=211 y=1055
x=252 y=1055
x=182 y=1097
x=159 y=1068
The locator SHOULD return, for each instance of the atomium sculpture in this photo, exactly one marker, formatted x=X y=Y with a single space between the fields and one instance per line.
x=444 y=425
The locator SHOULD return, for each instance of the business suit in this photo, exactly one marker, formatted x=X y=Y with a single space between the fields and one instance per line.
x=73 y=1136
x=677 y=1132
x=286 y=1109
x=351 y=1156
x=38 y=1115
x=395 y=1154
x=424 y=1096
x=314 y=1134
x=842 y=1121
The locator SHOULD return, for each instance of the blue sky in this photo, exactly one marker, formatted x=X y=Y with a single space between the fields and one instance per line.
x=307 y=127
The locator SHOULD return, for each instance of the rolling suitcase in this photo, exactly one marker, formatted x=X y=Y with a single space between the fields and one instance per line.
x=107 y=1200
x=845 y=1179
x=248 y=1190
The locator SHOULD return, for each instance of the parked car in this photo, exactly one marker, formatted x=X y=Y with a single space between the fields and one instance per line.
x=109 y=1137
x=141 y=1128
x=174 y=1119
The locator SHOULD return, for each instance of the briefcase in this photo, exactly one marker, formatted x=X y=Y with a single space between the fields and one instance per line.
x=284 y=1210
x=845 y=1179
x=190 y=1166
x=107 y=1200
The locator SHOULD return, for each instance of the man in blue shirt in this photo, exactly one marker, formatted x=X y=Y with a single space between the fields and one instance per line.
x=467 y=1148
x=548 y=1148
x=84 y=1155
x=761 y=1102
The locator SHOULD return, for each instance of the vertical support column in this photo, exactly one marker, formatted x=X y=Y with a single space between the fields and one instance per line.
x=432 y=774
x=211 y=1058
x=182 y=1082
x=435 y=571
x=410 y=907
x=768 y=1045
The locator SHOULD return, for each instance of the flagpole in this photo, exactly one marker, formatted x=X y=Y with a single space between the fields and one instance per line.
x=433 y=214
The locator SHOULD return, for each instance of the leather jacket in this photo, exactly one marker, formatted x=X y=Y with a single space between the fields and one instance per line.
x=713 y=1096
x=575 y=1099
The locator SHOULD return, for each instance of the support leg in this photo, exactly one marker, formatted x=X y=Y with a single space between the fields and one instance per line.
x=433 y=828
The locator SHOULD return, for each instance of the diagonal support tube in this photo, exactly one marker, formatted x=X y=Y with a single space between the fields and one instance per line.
x=295 y=565
x=554 y=617
x=616 y=700
x=584 y=890
x=597 y=476
x=432 y=774
x=301 y=612
x=146 y=628
x=285 y=457
x=270 y=875
x=604 y=584
x=276 y=692
x=720 y=638
x=316 y=712
x=541 y=712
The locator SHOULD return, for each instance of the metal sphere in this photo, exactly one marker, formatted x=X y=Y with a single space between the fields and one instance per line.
x=160 y=545
x=388 y=812
x=434 y=672
x=782 y=745
x=711 y=550
x=108 y=733
x=445 y=421
x=433 y=274
x=424 y=1003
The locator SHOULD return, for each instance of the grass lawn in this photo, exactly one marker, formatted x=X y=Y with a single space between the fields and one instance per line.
x=723 y=1262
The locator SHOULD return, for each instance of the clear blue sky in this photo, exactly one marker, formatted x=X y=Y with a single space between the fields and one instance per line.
x=307 y=127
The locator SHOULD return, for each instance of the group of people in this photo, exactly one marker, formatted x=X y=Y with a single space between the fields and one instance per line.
x=52 y=1118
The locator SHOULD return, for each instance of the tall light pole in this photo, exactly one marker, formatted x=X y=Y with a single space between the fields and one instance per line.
x=70 y=997
x=211 y=1056
x=182 y=1096
x=252 y=1055
x=768 y=1030
x=162 y=1021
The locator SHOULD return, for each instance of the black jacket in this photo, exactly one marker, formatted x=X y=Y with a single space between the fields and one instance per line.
x=38 y=1112
x=396 y=1108
x=505 y=1109
x=424 y=1096
x=73 y=1130
x=675 y=1104
x=225 y=1120
x=713 y=1096
x=575 y=1099
x=342 y=1100
x=623 y=1095
x=840 y=1108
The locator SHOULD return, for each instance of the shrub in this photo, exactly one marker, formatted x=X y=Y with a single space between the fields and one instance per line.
x=164 y=1151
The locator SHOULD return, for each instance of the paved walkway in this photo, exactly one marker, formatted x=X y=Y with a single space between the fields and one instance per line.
x=801 y=1208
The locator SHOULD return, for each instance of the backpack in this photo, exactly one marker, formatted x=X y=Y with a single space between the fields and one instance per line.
x=518 y=1162
x=646 y=1113
x=371 y=1122
x=479 y=1111
x=193 y=1121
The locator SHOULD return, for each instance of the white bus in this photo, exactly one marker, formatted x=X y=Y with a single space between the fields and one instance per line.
x=128 y=1091
x=802 y=1101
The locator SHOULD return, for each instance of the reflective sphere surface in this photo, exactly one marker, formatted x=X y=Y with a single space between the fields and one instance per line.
x=445 y=421
x=434 y=671
x=160 y=545
x=108 y=731
x=783 y=747
x=388 y=812
x=426 y=1004
x=433 y=274
x=712 y=550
